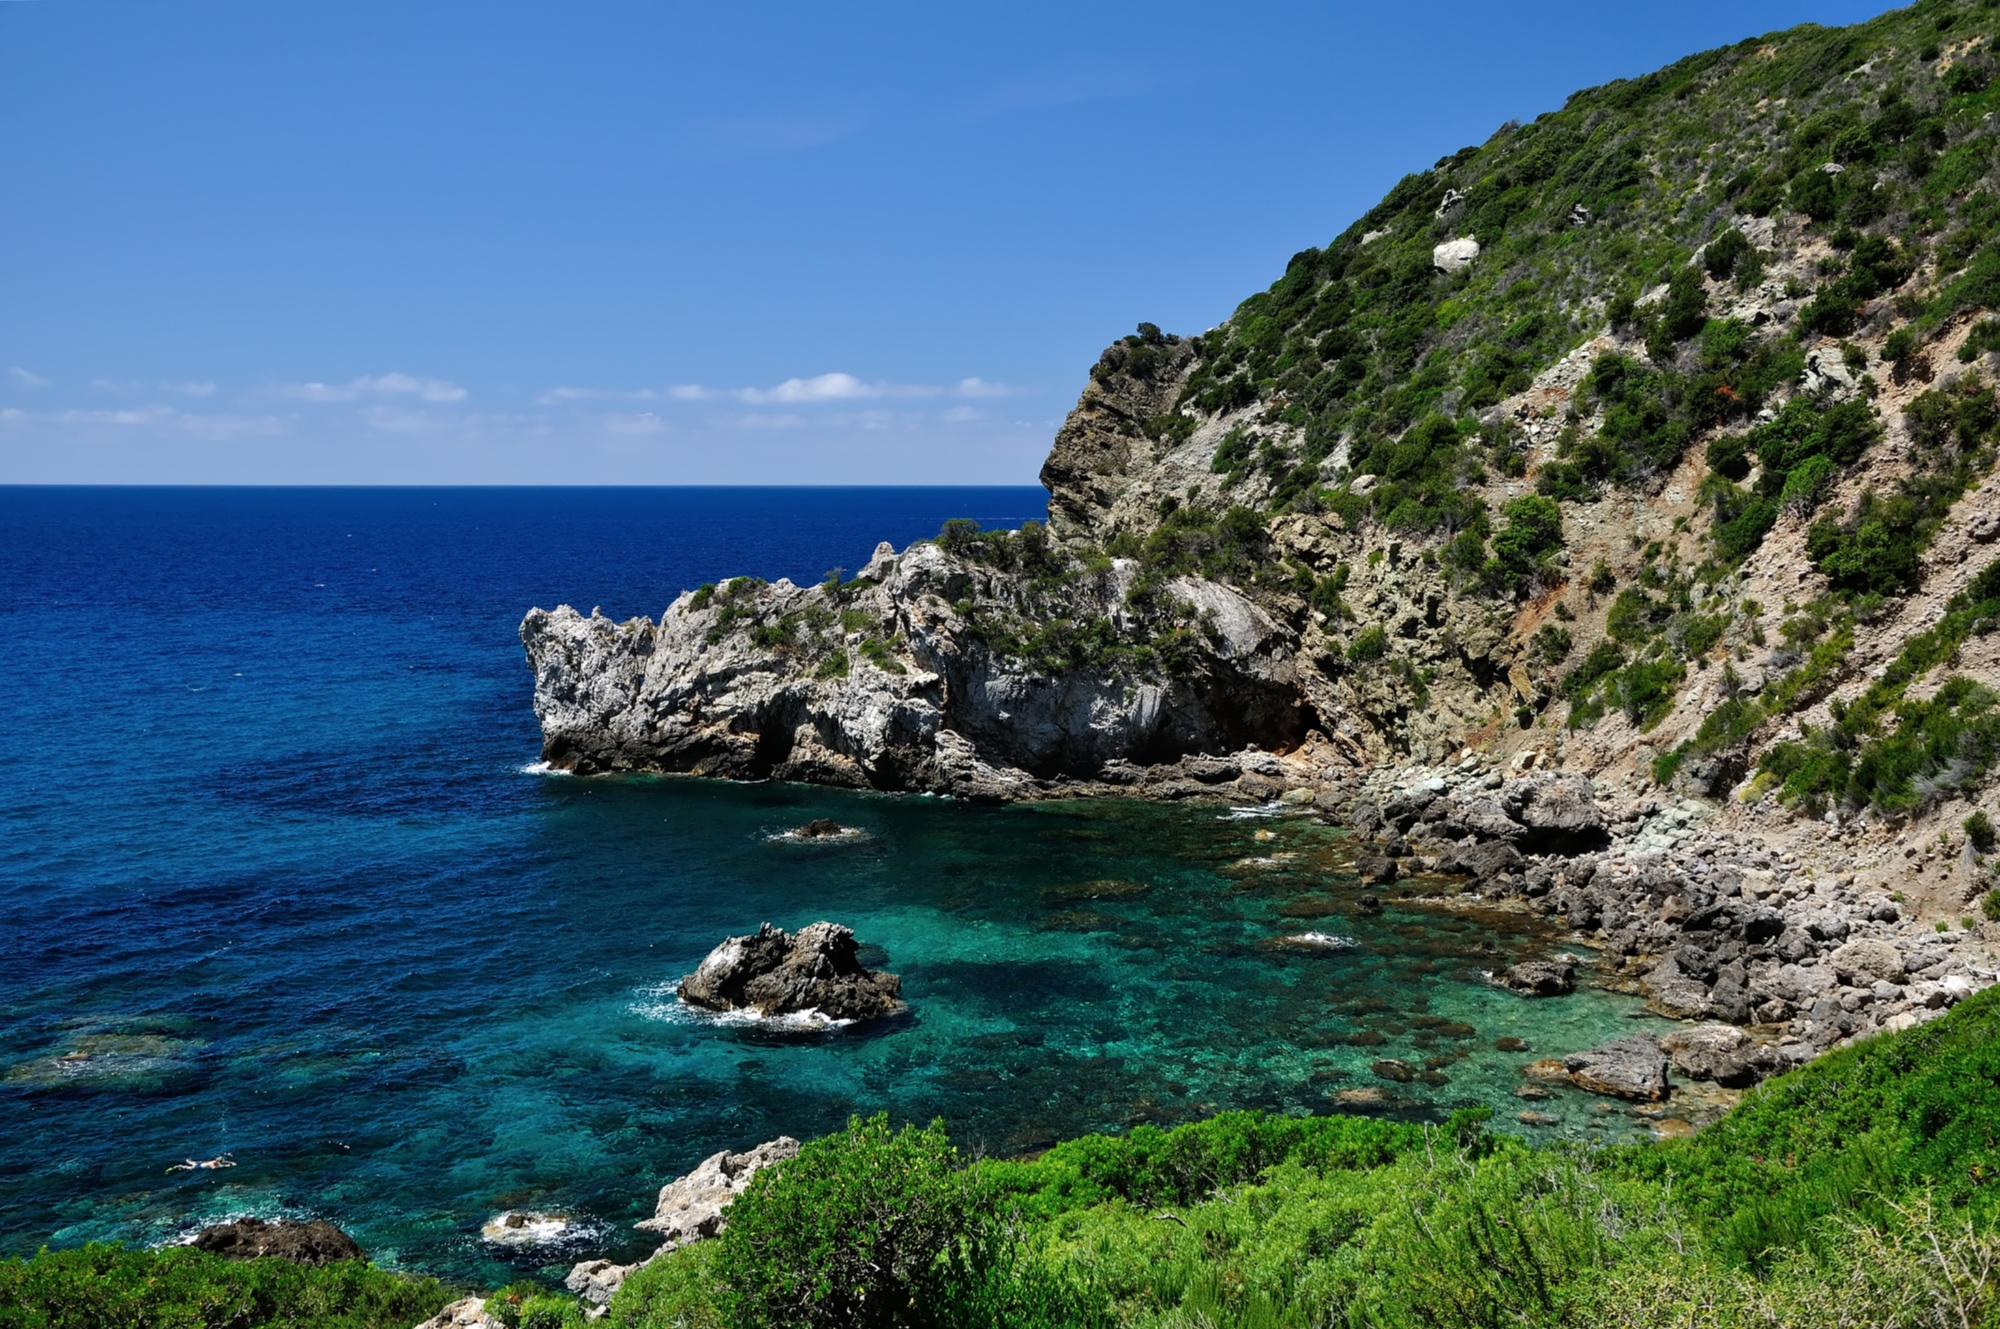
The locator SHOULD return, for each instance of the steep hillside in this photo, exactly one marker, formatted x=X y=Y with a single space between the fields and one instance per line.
x=1647 y=434
x=1652 y=438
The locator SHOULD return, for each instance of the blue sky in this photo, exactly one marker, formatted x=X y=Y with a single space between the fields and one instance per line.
x=445 y=242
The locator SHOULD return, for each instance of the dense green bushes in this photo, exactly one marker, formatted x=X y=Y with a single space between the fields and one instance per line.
x=110 y=1287
x=1937 y=744
x=1859 y=1186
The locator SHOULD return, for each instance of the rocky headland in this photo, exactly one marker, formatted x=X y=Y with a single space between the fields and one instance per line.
x=1611 y=544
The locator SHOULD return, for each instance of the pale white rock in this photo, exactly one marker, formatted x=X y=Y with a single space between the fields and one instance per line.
x=1452 y=255
x=690 y=1208
x=465 y=1313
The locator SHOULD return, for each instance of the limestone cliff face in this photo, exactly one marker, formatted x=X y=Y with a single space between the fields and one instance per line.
x=887 y=684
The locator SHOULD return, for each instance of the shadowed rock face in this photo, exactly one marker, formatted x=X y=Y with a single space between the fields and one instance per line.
x=316 y=1242
x=774 y=972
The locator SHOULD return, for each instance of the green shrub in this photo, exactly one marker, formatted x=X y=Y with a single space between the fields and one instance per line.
x=958 y=536
x=1646 y=689
x=679 y=1290
x=1369 y=644
x=867 y=1227
x=100 y=1286
x=1533 y=532
x=1721 y=255
x=1980 y=832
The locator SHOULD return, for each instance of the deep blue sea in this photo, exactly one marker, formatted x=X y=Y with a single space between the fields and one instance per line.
x=278 y=880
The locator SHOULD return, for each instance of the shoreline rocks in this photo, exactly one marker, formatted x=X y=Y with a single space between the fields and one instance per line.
x=1707 y=924
x=315 y=1242
x=1541 y=978
x=689 y=1209
x=1633 y=1067
x=775 y=973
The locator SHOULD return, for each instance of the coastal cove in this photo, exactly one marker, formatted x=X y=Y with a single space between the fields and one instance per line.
x=296 y=893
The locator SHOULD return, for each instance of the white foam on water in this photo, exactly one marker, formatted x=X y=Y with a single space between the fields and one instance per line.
x=845 y=835
x=543 y=768
x=1319 y=941
x=664 y=1004
x=1270 y=809
x=536 y=1229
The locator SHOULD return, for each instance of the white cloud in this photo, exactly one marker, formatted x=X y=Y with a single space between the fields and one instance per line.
x=679 y=392
x=826 y=387
x=831 y=387
x=148 y=415
x=190 y=389
x=164 y=419
x=404 y=420
x=958 y=415
x=26 y=379
x=642 y=425
x=381 y=385
x=222 y=428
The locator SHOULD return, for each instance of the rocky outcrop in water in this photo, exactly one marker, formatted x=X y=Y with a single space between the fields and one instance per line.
x=1541 y=978
x=775 y=973
x=923 y=674
x=314 y=1242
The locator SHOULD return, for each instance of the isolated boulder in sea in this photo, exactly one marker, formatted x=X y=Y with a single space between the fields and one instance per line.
x=689 y=1209
x=1629 y=1067
x=315 y=1242
x=1541 y=978
x=821 y=828
x=774 y=972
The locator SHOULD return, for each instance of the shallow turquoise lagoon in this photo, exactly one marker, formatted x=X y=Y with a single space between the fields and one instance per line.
x=279 y=881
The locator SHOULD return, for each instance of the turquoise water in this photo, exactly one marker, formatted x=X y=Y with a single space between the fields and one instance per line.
x=280 y=881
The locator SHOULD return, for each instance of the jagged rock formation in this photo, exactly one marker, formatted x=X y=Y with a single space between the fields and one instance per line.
x=772 y=972
x=891 y=683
